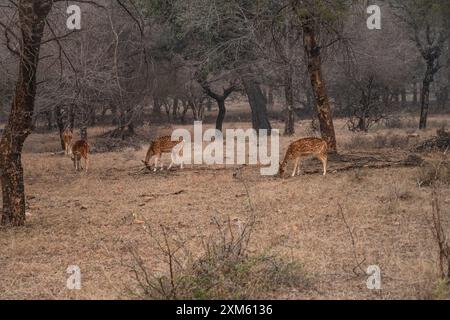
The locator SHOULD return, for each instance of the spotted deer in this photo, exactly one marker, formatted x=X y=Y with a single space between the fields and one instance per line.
x=303 y=148
x=162 y=145
x=67 y=138
x=80 y=149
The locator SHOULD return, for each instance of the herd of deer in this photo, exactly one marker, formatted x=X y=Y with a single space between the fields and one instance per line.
x=296 y=151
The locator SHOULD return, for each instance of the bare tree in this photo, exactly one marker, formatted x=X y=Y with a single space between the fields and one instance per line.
x=428 y=22
x=32 y=15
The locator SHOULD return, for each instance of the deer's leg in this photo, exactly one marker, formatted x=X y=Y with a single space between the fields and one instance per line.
x=299 y=167
x=171 y=161
x=87 y=163
x=156 y=163
x=295 y=166
x=324 y=160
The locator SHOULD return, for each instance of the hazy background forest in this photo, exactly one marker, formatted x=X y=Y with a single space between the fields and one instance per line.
x=138 y=69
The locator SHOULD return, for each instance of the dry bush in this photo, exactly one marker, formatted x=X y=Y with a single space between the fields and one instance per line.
x=432 y=172
x=379 y=141
x=400 y=123
x=225 y=269
x=394 y=141
x=441 y=290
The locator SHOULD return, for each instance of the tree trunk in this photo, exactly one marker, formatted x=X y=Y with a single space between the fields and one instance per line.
x=32 y=15
x=156 y=106
x=183 y=113
x=415 y=93
x=403 y=95
x=312 y=50
x=425 y=93
x=220 y=99
x=209 y=105
x=289 y=123
x=92 y=116
x=270 y=99
x=221 y=114
x=49 y=117
x=175 y=109
x=60 y=123
x=424 y=103
x=72 y=116
x=115 y=118
x=258 y=105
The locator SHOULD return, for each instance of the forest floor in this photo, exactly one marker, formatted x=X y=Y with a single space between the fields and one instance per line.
x=334 y=227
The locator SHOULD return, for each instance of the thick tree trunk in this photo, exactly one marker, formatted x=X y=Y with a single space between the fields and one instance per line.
x=289 y=122
x=32 y=14
x=258 y=105
x=312 y=50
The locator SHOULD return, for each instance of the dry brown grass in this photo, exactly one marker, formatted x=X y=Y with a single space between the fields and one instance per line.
x=91 y=220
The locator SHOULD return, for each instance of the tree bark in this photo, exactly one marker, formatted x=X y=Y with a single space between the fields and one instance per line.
x=32 y=15
x=220 y=99
x=258 y=105
x=312 y=50
x=425 y=93
x=175 y=109
x=289 y=123
x=220 y=114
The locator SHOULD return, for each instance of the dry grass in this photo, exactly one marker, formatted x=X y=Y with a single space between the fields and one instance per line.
x=91 y=220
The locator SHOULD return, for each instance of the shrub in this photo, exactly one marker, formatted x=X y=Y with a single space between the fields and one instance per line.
x=226 y=269
x=432 y=172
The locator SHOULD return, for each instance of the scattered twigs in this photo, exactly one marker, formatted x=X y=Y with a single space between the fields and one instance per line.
x=350 y=232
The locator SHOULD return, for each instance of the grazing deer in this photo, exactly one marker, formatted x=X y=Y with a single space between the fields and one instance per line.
x=80 y=149
x=163 y=145
x=67 y=138
x=303 y=148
